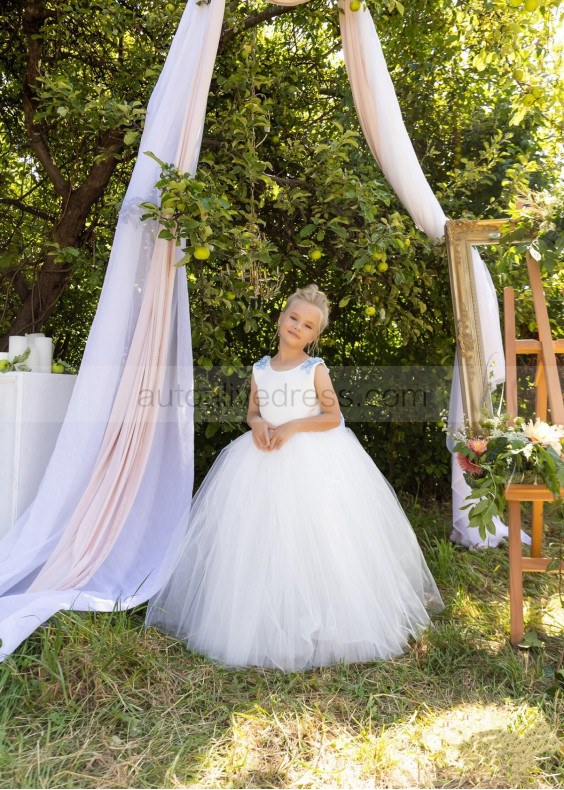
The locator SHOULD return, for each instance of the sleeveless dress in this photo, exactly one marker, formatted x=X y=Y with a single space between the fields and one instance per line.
x=298 y=557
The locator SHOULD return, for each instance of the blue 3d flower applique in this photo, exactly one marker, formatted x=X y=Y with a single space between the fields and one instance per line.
x=262 y=363
x=309 y=363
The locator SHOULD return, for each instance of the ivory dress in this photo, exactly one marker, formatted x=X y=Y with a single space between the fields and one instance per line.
x=299 y=557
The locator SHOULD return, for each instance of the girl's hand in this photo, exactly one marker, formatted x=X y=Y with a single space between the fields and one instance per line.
x=281 y=434
x=261 y=433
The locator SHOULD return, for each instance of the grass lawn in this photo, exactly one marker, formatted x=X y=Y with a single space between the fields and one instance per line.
x=96 y=701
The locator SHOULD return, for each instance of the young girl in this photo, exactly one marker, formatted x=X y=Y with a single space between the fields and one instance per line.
x=297 y=553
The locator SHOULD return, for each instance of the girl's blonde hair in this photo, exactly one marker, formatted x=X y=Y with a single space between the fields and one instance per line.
x=312 y=295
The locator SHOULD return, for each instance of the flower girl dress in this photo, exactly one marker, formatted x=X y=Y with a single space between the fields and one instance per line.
x=298 y=557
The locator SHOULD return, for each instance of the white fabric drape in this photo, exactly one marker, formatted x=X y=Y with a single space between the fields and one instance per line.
x=380 y=117
x=119 y=549
x=381 y=120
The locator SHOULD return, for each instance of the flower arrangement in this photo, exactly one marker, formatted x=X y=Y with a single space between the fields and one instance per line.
x=507 y=451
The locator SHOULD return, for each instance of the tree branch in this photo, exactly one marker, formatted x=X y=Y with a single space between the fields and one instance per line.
x=251 y=21
x=29 y=209
x=34 y=17
x=97 y=179
x=291 y=182
x=19 y=285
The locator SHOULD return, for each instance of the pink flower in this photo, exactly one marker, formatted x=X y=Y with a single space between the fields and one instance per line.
x=467 y=466
x=478 y=446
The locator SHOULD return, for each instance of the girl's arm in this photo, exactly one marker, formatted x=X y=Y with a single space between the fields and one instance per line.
x=331 y=417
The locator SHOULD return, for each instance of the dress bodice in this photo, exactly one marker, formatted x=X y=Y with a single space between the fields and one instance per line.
x=287 y=394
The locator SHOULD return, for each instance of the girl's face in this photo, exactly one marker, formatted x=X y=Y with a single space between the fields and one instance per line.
x=300 y=324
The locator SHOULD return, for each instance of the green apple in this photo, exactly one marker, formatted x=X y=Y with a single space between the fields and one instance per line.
x=201 y=253
x=382 y=266
x=230 y=295
x=518 y=75
x=531 y=5
x=275 y=139
x=315 y=255
x=56 y=367
x=368 y=268
x=528 y=99
x=170 y=8
x=355 y=5
x=4 y=365
x=370 y=311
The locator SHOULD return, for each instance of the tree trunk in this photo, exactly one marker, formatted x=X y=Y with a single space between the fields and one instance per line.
x=53 y=274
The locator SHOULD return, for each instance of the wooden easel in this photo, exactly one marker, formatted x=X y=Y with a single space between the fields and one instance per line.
x=547 y=393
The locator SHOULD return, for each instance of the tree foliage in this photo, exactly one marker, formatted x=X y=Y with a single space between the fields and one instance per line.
x=287 y=191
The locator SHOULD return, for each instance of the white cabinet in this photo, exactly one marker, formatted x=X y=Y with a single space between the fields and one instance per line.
x=32 y=408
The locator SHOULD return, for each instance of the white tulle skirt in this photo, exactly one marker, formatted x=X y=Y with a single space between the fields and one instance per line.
x=297 y=558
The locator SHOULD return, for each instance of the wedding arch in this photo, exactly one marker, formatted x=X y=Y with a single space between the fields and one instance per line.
x=105 y=526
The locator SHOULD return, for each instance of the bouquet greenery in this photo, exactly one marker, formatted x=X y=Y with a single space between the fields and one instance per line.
x=505 y=452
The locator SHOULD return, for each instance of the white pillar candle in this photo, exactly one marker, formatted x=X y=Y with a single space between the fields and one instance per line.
x=32 y=337
x=44 y=346
x=17 y=344
x=33 y=361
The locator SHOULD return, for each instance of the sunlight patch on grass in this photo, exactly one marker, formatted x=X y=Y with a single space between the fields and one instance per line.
x=552 y=616
x=476 y=745
x=305 y=749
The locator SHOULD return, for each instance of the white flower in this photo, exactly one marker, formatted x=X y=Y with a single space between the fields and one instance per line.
x=545 y=434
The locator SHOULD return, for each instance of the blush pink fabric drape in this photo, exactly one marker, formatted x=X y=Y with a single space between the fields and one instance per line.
x=119 y=468
x=99 y=517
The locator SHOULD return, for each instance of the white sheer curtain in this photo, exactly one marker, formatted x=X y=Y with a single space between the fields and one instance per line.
x=380 y=117
x=121 y=547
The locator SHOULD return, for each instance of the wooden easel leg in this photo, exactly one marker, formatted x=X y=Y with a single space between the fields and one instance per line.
x=536 y=539
x=515 y=574
x=554 y=391
x=510 y=351
x=541 y=398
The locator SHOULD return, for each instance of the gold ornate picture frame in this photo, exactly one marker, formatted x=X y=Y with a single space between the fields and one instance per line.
x=461 y=236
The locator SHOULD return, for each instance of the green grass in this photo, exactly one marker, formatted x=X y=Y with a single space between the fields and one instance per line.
x=96 y=701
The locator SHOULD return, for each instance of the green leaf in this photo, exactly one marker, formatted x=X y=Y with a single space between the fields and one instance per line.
x=156 y=158
x=21 y=357
x=307 y=231
x=531 y=639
